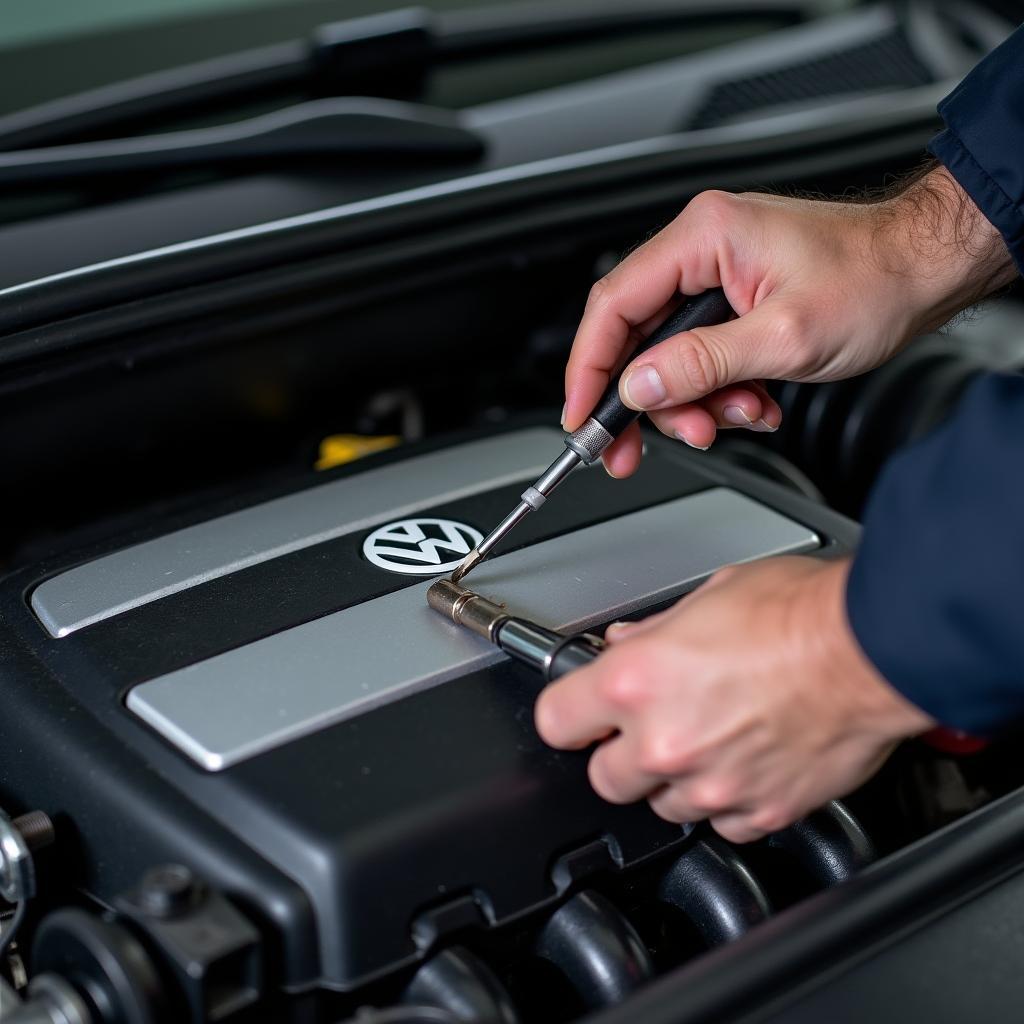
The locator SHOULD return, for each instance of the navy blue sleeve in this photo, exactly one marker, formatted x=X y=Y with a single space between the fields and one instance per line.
x=983 y=142
x=936 y=591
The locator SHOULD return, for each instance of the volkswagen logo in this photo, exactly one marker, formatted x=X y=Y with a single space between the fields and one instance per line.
x=420 y=547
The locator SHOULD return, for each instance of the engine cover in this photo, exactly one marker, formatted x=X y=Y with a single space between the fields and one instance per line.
x=260 y=691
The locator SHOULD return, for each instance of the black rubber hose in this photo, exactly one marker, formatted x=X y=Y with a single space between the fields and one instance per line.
x=714 y=888
x=596 y=948
x=459 y=983
x=830 y=844
x=106 y=961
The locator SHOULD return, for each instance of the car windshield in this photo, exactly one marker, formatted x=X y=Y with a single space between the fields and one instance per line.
x=82 y=46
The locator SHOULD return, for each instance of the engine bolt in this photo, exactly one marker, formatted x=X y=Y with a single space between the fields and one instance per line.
x=36 y=829
x=169 y=890
x=18 y=839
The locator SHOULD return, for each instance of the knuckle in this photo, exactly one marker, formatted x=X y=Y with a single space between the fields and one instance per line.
x=793 y=331
x=724 y=575
x=696 y=364
x=770 y=818
x=663 y=754
x=602 y=781
x=714 y=795
x=714 y=206
x=600 y=296
x=626 y=687
x=790 y=322
x=736 y=830
x=671 y=811
x=547 y=718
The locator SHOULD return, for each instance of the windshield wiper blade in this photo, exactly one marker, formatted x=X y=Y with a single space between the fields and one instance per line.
x=388 y=55
x=320 y=129
x=382 y=55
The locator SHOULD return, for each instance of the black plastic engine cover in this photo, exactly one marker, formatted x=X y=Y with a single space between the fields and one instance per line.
x=359 y=836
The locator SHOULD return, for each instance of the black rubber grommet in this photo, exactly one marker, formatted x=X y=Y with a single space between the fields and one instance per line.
x=104 y=962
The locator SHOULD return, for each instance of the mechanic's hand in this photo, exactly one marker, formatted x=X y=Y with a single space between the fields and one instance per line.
x=749 y=702
x=822 y=290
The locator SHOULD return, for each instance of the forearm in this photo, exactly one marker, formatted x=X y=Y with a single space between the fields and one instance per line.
x=823 y=290
x=946 y=253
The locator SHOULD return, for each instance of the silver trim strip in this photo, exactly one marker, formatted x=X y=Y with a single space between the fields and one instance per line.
x=254 y=698
x=135 y=576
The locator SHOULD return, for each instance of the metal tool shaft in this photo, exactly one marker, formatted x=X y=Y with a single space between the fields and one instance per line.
x=532 y=499
x=609 y=418
x=467 y=609
x=548 y=652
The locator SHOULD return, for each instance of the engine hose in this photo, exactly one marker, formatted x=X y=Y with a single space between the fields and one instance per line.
x=596 y=948
x=842 y=433
x=829 y=844
x=714 y=888
x=463 y=986
x=105 y=960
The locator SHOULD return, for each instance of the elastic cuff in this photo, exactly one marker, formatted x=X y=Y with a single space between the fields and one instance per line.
x=997 y=207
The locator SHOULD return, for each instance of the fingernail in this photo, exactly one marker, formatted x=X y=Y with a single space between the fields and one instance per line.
x=682 y=437
x=565 y=407
x=614 y=628
x=608 y=471
x=735 y=415
x=644 y=388
x=763 y=427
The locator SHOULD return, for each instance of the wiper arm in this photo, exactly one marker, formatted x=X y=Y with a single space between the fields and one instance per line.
x=319 y=129
x=387 y=55
x=381 y=55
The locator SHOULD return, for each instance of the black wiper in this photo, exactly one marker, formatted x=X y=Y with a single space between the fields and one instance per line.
x=319 y=129
x=387 y=55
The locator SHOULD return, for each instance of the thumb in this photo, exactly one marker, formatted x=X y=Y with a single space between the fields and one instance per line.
x=695 y=363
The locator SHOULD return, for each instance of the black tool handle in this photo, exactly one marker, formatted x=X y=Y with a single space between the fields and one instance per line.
x=710 y=307
x=574 y=653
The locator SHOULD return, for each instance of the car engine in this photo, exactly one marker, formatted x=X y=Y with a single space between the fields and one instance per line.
x=247 y=775
x=279 y=775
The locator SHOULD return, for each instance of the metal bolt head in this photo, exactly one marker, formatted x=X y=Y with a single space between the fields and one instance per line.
x=169 y=890
x=17 y=872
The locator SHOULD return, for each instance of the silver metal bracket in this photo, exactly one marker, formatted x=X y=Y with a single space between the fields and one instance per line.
x=18 y=838
x=17 y=872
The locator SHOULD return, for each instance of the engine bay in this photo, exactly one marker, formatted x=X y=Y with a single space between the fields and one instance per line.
x=347 y=793
x=246 y=775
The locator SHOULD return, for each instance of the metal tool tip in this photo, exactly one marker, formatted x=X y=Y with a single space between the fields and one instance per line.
x=467 y=565
x=443 y=596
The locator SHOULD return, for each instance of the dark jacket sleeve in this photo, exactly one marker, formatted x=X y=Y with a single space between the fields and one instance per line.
x=936 y=592
x=983 y=142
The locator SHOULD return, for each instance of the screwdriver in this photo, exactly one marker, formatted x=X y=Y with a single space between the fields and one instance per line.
x=548 y=652
x=607 y=422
